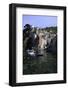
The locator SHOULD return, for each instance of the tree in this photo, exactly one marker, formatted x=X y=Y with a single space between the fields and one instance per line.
x=27 y=30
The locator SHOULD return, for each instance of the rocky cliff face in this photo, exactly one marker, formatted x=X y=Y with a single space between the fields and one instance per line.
x=52 y=46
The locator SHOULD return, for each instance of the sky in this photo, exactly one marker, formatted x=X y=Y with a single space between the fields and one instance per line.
x=39 y=21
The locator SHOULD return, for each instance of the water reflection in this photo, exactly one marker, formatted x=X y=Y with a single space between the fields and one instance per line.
x=40 y=64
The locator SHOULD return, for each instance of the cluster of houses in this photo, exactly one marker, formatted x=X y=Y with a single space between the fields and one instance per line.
x=47 y=40
x=40 y=39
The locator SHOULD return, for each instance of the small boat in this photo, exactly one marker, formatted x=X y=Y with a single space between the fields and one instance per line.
x=31 y=52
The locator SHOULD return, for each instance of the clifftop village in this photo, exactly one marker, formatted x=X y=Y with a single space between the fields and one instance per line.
x=38 y=39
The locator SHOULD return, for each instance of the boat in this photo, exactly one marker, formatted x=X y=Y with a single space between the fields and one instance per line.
x=31 y=52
